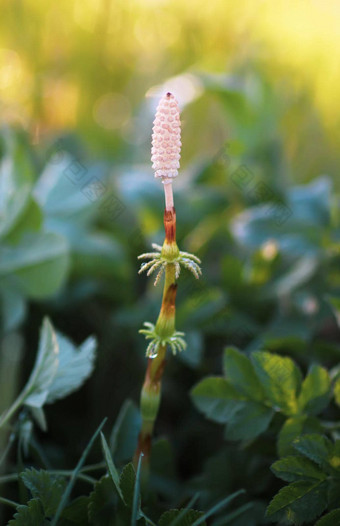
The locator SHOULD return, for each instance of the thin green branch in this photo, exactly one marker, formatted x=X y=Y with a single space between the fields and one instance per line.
x=9 y=502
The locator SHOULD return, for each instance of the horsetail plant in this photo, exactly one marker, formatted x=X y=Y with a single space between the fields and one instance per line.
x=166 y=260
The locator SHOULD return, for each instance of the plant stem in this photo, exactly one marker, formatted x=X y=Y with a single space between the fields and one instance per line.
x=151 y=391
x=5 y=417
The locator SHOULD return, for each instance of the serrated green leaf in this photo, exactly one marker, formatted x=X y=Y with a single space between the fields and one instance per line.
x=317 y=448
x=48 y=488
x=315 y=391
x=169 y=517
x=280 y=378
x=331 y=519
x=103 y=503
x=75 y=366
x=45 y=368
x=248 y=421
x=216 y=398
x=110 y=466
x=30 y=515
x=295 y=468
x=239 y=372
x=299 y=502
x=127 y=484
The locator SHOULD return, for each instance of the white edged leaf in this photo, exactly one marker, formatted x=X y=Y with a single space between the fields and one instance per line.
x=45 y=368
x=75 y=366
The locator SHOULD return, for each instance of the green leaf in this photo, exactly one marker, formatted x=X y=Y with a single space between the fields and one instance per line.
x=187 y=519
x=296 y=468
x=337 y=391
x=48 y=488
x=280 y=379
x=291 y=429
x=103 y=503
x=124 y=436
x=45 y=368
x=75 y=366
x=38 y=265
x=333 y=492
x=216 y=398
x=12 y=307
x=315 y=391
x=334 y=459
x=110 y=465
x=31 y=220
x=30 y=515
x=127 y=484
x=76 y=470
x=299 y=502
x=239 y=372
x=16 y=176
x=76 y=512
x=248 y=421
x=317 y=448
x=331 y=519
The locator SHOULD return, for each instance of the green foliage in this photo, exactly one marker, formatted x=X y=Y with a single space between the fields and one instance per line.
x=330 y=519
x=280 y=378
x=300 y=502
x=30 y=515
x=60 y=368
x=270 y=253
x=46 y=487
x=315 y=391
x=246 y=398
x=103 y=504
x=314 y=474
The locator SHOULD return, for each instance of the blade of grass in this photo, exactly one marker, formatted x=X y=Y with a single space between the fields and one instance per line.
x=218 y=507
x=9 y=502
x=110 y=466
x=74 y=475
x=12 y=477
x=135 y=502
x=149 y=521
x=234 y=514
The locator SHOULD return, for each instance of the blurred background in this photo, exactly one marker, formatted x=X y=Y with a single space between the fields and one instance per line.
x=256 y=198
